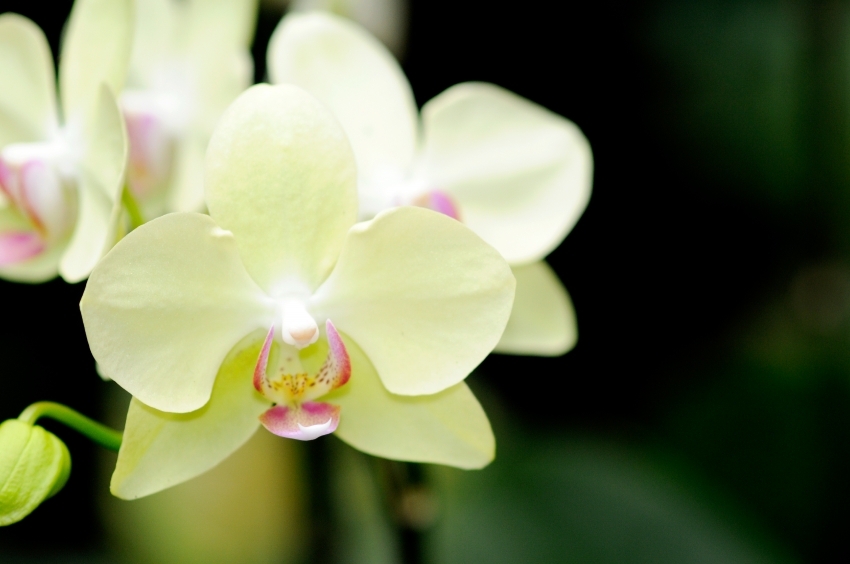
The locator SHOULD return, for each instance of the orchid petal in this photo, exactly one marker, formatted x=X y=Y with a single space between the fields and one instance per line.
x=445 y=428
x=186 y=193
x=162 y=309
x=280 y=175
x=39 y=267
x=28 y=95
x=17 y=246
x=96 y=49
x=305 y=422
x=543 y=320
x=162 y=449
x=424 y=297
x=520 y=173
x=155 y=26
x=99 y=188
x=357 y=78
x=228 y=23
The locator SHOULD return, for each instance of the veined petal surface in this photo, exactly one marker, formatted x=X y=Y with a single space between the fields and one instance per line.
x=96 y=49
x=358 y=78
x=521 y=174
x=424 y=297
x=543 y=320
x=28 y=95
x=165 y=305
x=444 y=428
x=162 y=449
x=281 y=176
x=99 y=188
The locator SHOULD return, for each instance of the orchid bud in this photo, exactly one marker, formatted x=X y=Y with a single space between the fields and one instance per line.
x=34 y=465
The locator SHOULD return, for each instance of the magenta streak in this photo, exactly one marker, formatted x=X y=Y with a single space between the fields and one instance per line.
x=441 y=202
x=263 y=361
x=18 y=246
x=339 y=354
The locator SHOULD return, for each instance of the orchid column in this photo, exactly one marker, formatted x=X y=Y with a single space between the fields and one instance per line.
x=514 y=172
x=62 y=168
x=279 y=310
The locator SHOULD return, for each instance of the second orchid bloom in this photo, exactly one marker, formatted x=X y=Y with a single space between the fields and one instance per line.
x=279 y=309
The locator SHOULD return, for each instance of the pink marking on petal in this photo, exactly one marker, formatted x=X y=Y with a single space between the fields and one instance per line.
x=305 y=422
x=438 y=201
x=6 y=179
x=263 y=361
x=337 y=366
x=18 y=246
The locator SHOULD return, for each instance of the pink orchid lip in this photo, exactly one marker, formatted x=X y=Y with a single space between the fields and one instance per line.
x=440 y=202
x=18 y=246
x=150 y=152
x=305 y=422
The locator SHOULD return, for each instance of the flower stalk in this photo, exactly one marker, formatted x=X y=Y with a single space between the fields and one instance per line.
x=96 y=432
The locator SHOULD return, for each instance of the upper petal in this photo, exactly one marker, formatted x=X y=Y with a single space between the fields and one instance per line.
x=543 y=320
x=164 y=307
x=444 y=428
x=96 y=49
x=424 y=297
x=357 y=77
x=162 y=449
x=99 y=186
x=227 y=23
x=28 y=94
x=521 y=174
x=280 y=175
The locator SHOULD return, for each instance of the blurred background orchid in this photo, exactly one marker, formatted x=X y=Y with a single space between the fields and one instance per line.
x=703 y=414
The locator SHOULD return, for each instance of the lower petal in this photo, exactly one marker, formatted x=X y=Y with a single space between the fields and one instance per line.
x=449 y=427
x=162 y=449
x=305 y=422
x=543 y=321
x=18 y=246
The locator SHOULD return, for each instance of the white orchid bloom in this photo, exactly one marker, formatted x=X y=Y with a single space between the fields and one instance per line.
x=517 y=174
x=417 y=298
x=61 y=179
x=190 y=60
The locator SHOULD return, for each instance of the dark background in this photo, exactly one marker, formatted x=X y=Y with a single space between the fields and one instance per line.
x=710 y=275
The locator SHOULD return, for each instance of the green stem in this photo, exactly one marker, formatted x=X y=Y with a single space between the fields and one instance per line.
x=101 y=434
x=132 y=208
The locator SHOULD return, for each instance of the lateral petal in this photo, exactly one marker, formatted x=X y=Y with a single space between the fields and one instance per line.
x=280 y=175
x=521 y=174
x=163 y=449
x=449 y=427
x=424 y=297
x=357 y=78
x=28 y=95
x=163 y=308
x=543 y=320
x=97 y=46
x=99 y=188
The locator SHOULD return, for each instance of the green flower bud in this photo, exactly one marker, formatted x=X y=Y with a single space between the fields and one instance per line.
x=34 y=465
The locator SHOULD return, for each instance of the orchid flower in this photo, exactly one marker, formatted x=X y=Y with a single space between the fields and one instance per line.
x=61 y=179
x=279 y=310
x=515 y=173
x=190 y=60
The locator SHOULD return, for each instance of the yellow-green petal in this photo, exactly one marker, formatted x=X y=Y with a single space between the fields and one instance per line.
x=155 y=27
x=521 y=174
x=543 y=320
x=422 y=295
x=228 y=23
x=449 y=427
x=358 y=78
x=96 y=49
x=99 y=185
x=162 y=449
x=281 y=176
x=28 y=94
x=40 y=268
x=165 y=305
